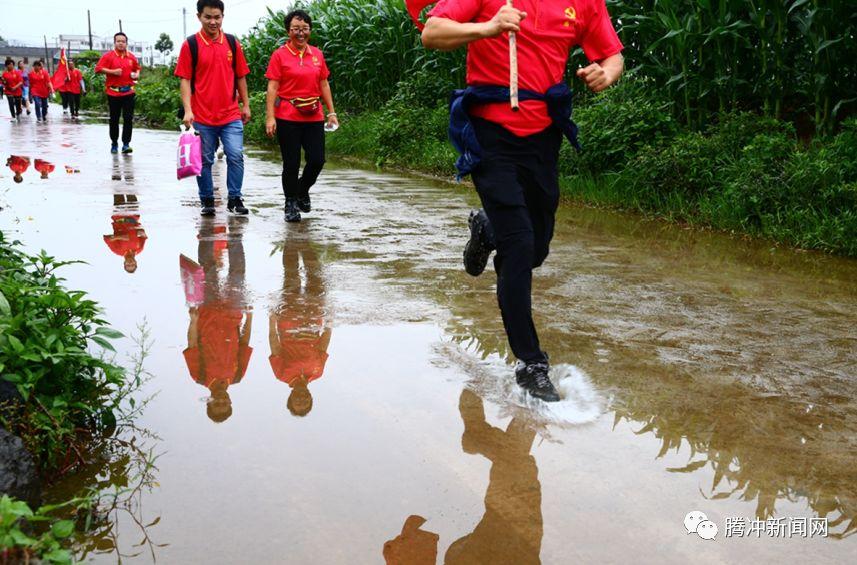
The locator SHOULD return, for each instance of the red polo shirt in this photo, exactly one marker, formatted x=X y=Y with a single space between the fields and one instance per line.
x=18 y=164
x=220 y=355
x=113 y=60
x=550 y=30
x=128 y=235
x=11 y=79
x=300 y=75
x=40 y=83
x=73 y=85
x=213 y=102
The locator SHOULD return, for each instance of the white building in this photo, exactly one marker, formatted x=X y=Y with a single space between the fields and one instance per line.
x=77 y=43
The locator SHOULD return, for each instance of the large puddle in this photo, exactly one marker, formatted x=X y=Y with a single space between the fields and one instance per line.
x=339 y=391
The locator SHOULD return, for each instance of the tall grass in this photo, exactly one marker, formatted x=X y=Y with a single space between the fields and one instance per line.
x=790 y=59
x=786 y=58
x=369 y=45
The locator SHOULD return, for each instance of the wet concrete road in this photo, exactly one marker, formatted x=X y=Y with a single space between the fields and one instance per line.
x=699 y=372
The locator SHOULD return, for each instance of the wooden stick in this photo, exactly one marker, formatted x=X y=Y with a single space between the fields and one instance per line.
x=513 y=67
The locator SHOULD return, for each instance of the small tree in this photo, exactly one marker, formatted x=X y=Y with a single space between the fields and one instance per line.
x=164 y=44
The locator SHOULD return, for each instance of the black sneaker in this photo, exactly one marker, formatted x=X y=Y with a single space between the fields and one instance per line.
x=479 y=246
x=533 y=377
x=236 y=206
x=207 y=207
x=304 y=204
x=292 y=213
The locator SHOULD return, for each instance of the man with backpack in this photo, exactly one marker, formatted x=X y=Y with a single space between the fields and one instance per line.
x=213 y=74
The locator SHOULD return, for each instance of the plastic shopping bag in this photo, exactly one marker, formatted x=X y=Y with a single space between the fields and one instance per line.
x=193 y=281
x=189 y=156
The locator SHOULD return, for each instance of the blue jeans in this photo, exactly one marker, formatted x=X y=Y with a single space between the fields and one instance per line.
x=41 y=104
x=231 y=135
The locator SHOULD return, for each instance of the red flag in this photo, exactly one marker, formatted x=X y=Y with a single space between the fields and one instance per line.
x=415 y=7
x=61 y=75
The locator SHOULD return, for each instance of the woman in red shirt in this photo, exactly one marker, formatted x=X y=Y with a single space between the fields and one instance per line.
x=41 y=88
x=13 y=88
x=297 y=86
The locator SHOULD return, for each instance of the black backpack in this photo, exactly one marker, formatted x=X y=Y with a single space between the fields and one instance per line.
x=193 y=45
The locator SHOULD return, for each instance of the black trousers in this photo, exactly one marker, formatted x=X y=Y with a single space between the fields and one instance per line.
x=124 y=106
x=64 y=99
x=14 y=105
x=293 y=136
x=518 y=184
x=73 y=103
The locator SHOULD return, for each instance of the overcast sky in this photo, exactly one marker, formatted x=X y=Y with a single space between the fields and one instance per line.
x=143 y=20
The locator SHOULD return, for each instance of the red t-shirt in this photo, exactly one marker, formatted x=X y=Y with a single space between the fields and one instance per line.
x=113 y=60
x=301 y=352
x=220 y=354
x=214 y=102
x=43 y=166
x=73 y=85
x=300 y=76
x=550 y=30
x=11 y=79
x=40 y=83
x=128 y=235
x=18 y=164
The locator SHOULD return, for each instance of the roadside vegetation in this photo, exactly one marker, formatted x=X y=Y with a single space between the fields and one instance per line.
x=734 y=115
x=70 y=406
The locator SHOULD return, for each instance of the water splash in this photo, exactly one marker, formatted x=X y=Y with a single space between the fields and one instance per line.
x=580 y=403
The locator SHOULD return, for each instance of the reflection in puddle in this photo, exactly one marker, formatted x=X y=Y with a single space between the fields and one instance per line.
x=44 y=168
x=510 y=530
x=298 y=327
x=218 y=336
x=128 y=237
x=19 y=166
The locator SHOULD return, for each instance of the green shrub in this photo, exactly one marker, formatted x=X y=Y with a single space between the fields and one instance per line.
x=615 y=126
x=25 y=534
x=409 y=135
x=45 y=333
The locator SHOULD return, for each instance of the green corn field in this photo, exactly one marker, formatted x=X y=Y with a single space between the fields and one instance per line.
x=789 y=59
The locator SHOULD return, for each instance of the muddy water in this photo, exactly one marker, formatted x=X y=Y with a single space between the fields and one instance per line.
x=339 y=391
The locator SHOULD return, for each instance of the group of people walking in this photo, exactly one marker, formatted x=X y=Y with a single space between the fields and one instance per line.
x=25 y=89
x=216 y=103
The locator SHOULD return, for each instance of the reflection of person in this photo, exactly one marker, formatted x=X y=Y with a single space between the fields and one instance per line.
x=122 y=71
x=13 y=88
x=19 y=166
x=413 y=546
x=511 y=529
x=74 y=89
x=517 y=176
x=128 y=237
x=40 y=88
x=297 y=85
x=44 y=167
x=213 y=74
x=218 y=337
x=297 y=330
x=25 y=95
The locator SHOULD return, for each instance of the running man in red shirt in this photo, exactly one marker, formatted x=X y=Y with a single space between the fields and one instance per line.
x=517 y=177
x=13 y=88
x=122 y=71
x=40 y=88
x=213 y=74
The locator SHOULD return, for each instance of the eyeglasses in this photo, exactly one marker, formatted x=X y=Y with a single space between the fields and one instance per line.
x=297 y=30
